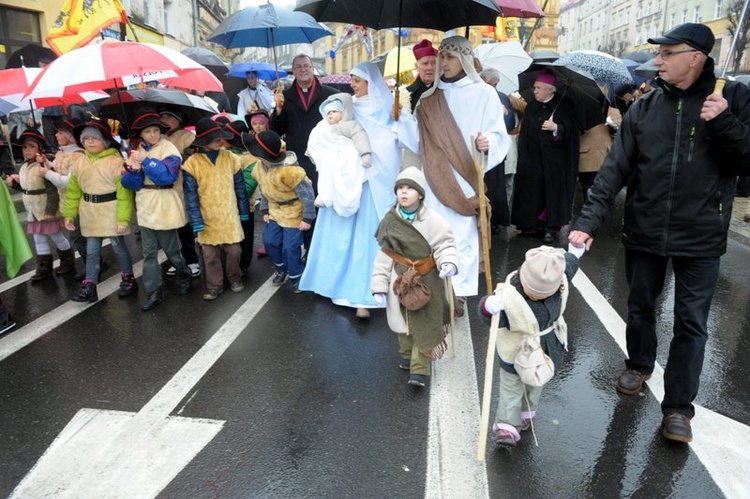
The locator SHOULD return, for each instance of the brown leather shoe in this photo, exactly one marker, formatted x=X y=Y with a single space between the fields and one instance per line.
x=676 y=427
x=631 y=381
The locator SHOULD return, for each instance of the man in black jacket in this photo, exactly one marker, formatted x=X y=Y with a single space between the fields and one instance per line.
x=679 y=151
x=426 y=65
x=299 y=113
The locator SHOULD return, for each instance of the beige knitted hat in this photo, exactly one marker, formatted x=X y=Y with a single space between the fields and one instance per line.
x=542 y=271
x=413 y=177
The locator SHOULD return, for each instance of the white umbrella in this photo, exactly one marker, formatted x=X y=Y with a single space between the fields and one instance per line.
x=508 y=58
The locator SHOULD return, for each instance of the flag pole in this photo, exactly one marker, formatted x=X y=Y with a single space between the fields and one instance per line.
x=721 y=81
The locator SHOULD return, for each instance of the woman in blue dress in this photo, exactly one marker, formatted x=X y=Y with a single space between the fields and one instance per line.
x=343 y=248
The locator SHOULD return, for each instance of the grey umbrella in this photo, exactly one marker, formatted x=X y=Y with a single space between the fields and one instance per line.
x=609 y=72
x=204 y=56
x=544 y=55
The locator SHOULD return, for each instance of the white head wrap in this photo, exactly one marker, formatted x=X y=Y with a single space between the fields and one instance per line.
x=459 y=47
x=380 y=99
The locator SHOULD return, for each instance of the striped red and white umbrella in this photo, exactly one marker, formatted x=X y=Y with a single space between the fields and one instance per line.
x=15 y=82
x=113 y=64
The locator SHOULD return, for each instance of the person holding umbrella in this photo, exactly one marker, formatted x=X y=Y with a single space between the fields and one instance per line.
x=256 y=96
x=297 y=113
x=679 y=151
x=548 y=152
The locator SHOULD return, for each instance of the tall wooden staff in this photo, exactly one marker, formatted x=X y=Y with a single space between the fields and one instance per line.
x=490 y=361
x=479 y=161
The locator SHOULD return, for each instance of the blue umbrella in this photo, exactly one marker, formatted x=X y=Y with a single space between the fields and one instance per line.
x=266 y=70
x=267 y=26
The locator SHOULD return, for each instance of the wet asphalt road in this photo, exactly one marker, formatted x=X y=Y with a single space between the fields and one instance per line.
x=313 y=404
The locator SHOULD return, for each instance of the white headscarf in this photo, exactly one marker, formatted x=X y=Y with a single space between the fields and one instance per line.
x=459 y=47
x=378 y=105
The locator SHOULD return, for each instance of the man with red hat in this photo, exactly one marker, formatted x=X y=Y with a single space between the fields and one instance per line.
x=426 y=57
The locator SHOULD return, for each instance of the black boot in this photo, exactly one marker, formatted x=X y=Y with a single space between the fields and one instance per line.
x=185 y=281
x=67 y=261
x=128 y=286
x=154 y=299
x=87 y=293
x=43 y=268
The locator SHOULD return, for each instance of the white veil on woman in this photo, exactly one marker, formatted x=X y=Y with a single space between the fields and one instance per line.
x=373 y=112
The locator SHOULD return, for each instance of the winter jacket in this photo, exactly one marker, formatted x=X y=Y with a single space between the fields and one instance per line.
x=158 y=187
x=98 y=175
x=215 y=197
x=680 y=171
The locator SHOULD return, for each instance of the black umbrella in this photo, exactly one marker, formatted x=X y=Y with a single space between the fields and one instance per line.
x=191 y=107
x=441 y=15
x=572 y=83
x=30 y=56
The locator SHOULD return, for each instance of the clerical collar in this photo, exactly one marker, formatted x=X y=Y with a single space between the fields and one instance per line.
x=454 y=79
x=546 y=101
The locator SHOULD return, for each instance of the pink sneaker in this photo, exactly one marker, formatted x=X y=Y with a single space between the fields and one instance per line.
x=505 y=434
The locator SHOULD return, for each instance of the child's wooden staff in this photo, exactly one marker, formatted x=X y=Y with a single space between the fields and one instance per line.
x=452 y=309
x=721 y=81
x=489 y=365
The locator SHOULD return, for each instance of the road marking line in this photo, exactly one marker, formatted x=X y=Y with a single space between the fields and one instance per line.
x=719 y=442
x=20 y=279
x=118 y=454
x=19 y=338
x=452 y=467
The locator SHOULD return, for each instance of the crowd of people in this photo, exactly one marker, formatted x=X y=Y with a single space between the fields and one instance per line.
x=376 y=211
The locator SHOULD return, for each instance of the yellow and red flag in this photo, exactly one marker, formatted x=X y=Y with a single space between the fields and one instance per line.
x=80 y=21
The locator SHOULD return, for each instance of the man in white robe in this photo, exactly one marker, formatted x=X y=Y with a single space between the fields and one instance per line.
x=256 y=96
x=477 y=112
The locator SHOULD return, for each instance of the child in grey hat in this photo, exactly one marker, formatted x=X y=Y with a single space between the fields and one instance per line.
x=413 y=237
x=533 y=335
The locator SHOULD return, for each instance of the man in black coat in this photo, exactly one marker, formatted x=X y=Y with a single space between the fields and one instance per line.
x=678 y=151
x=426 y=57
x=299 y=113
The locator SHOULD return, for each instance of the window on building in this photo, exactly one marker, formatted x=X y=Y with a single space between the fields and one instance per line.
x=672 y=18
x=718 y=9
x=697 y=14
x=684 y=16
x=17 y=28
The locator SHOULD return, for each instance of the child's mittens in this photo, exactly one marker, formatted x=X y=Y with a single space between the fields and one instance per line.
x=367 y=160
x=447 y=270
x=379 y=299
x=578 y=251
x=494 y=304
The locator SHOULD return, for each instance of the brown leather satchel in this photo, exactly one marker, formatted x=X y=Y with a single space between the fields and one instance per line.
x=411 y=291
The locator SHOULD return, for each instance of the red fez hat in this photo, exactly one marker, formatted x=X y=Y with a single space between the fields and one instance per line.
x=423 y=49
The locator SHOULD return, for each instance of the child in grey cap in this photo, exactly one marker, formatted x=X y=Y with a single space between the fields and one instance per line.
x=533 y=335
